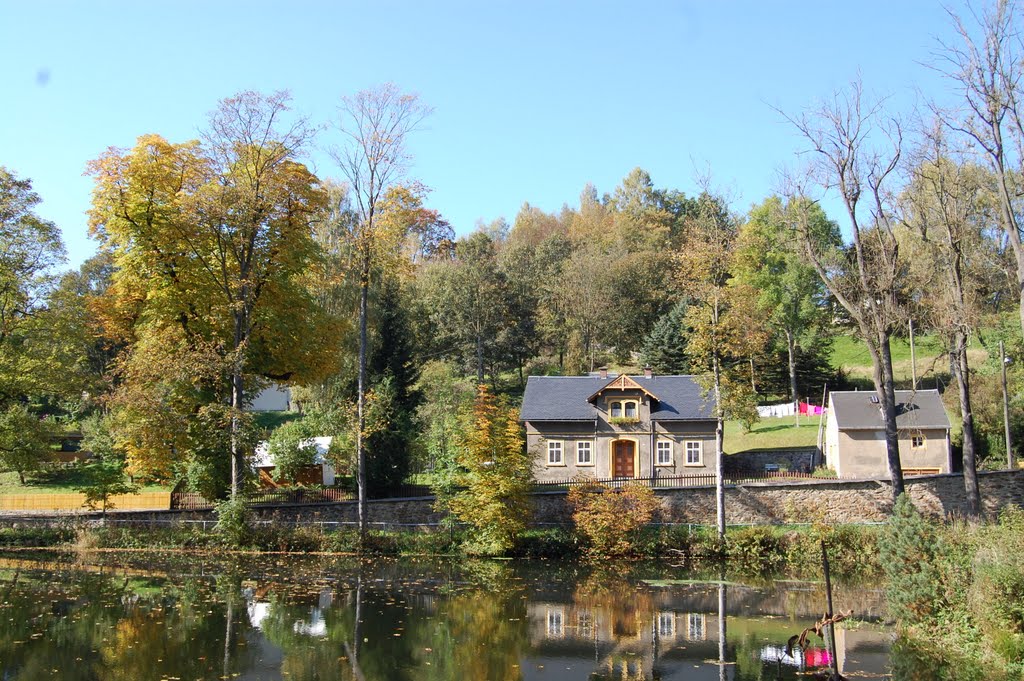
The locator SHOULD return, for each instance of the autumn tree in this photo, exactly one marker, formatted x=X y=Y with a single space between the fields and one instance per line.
x=726 y=328
x=376 y=124
x=856 y=152
x=496 y=476
x=210 y=240
x=30 y=250
x=945 y=208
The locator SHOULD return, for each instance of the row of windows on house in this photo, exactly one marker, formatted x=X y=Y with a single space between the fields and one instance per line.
x=584 y=626
x=664 y=453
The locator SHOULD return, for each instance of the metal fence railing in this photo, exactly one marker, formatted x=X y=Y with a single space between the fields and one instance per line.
x=674 y=481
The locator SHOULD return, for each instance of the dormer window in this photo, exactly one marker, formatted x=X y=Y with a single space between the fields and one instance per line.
x=624 y=411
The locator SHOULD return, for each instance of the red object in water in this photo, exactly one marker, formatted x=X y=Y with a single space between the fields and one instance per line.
x=817 y=657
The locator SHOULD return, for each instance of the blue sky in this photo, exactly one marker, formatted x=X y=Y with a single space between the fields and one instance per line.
x=532 y=99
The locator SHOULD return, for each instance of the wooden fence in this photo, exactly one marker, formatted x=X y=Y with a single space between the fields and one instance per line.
x=75 y=501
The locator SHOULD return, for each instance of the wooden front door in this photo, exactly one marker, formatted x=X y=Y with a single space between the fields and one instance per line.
x=622 y=458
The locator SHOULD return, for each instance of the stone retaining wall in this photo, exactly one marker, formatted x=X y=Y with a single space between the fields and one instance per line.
x=832 y=501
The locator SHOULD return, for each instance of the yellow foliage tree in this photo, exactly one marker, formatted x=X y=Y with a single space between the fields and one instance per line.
x=496 y=473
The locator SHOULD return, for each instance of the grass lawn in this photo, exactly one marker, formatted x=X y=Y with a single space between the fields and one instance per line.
x=269 y=420
x=772 y=433
x=57 y=481
x=851 y=354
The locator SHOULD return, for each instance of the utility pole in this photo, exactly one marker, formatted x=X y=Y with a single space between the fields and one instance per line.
x=913 y=358
x=1011 y=462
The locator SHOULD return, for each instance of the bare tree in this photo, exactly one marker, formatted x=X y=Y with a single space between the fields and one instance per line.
x=856 y=153
x=943 y=206
x=376 y=124
x=987 y=66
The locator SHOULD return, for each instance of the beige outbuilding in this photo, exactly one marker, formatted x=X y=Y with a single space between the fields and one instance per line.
x=855 y=434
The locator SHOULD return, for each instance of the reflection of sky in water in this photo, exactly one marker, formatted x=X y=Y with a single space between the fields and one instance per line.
x=444 y=621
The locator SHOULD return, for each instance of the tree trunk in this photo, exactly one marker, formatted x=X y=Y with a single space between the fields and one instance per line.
x=885 y=388
x=364 y=290
x=719 y=453
x=237 y=405
x=479 y=359
x=791 y=349
x=960 y=372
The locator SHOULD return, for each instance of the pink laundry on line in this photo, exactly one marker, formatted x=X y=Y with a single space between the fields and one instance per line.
x=807 y=409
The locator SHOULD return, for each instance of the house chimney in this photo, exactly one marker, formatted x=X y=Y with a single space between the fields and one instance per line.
x=648 y=371
x=603 y=372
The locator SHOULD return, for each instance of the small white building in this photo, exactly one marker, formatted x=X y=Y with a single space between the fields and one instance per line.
x=272 y=398
x=323 y=472
x=855 y=434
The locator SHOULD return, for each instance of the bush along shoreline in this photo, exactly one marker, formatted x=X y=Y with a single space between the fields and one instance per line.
x=752 y=550
x=956 y=592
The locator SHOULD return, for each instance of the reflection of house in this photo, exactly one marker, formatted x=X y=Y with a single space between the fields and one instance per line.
x=320 y=473
x=622 y=427
x=855 y=434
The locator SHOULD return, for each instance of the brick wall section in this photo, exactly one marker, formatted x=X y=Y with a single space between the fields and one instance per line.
x=833 y=501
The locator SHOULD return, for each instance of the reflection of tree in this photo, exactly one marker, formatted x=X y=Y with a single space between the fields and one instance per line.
x=99 y=629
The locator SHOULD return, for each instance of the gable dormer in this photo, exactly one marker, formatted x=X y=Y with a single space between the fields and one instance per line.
x=623 y=398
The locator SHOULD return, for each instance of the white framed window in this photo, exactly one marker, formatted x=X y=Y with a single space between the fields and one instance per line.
x=555 y=453
x=666 y=624
x=584 y=453
x=695 y=626
x=664 y=451
x=917 y=442
x=694 y=453
x=584 y=624
x=556 y=623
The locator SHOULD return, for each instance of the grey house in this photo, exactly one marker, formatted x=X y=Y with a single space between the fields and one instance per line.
x=618 y=427
x=855 y=434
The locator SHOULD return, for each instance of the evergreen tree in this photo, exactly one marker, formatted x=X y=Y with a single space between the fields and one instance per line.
x=664 y=349
x=391 y=361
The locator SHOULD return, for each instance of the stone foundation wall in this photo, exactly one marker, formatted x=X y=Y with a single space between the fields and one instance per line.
x=831 y=501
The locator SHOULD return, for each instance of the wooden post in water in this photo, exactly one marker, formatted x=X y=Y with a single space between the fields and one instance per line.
x=831 y=628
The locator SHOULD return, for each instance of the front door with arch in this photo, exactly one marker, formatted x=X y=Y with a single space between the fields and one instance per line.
x=623 y=455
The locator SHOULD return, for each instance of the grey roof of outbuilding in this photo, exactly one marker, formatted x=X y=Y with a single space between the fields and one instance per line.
x=914 y=410
x=565 y=398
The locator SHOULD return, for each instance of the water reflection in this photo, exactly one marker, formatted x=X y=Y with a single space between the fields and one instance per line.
x=321 y=619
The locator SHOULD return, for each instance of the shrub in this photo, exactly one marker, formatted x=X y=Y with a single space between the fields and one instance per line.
x=758 y=548
x=611 y=520
x=233 y=522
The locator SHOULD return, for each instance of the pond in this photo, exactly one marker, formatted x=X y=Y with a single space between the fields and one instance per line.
x=262 y=617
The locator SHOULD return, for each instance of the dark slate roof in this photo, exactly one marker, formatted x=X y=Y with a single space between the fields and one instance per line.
x=564 y=398
x=914 y=410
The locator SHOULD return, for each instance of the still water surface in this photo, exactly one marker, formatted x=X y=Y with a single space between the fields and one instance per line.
x=147 y=616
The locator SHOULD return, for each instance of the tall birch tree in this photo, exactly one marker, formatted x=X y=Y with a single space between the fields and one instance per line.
x=376 y=125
